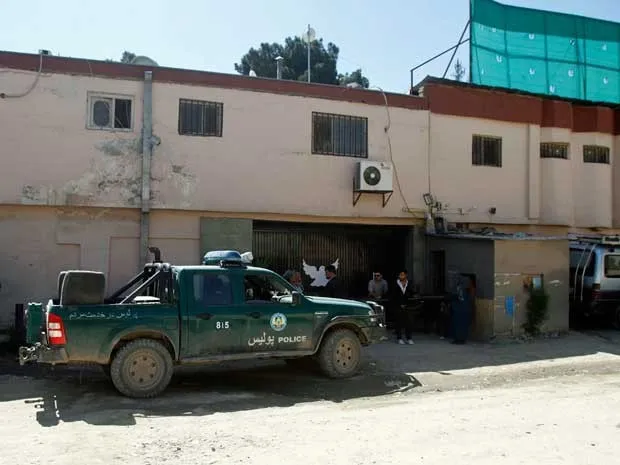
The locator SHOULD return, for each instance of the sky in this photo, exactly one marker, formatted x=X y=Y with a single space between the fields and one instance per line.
x=385 y=38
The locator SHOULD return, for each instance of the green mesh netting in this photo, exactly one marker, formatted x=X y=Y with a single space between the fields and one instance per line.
x=544 y=52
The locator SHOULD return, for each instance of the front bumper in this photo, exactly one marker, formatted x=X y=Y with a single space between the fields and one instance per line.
x=42 y=354
x=375 y=334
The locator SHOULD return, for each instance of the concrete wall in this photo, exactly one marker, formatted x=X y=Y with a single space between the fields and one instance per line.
x=39 y=242
x=515 y=260
x=263 y=162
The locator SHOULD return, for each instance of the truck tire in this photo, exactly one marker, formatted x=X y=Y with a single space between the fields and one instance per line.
x=142 y=369
x=340 y=354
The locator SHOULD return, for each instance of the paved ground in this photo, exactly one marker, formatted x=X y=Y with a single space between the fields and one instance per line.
x=549 y=401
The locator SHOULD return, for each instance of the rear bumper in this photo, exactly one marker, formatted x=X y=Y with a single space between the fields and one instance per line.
x=42 y=354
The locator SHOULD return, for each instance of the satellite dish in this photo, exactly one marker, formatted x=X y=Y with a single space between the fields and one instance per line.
x=309 y=35
x=143 y=61
x=372 y=176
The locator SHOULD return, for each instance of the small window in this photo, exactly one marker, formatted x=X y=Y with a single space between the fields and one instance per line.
x=612 y=266
x=263 y=288
x=554 y=150
x=486 y=151
x=340 y=135
x=212 y=289
x=596 y=154
x=106 y=112
x=200 y=118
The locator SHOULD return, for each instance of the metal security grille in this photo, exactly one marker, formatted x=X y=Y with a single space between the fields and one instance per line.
x=554 y=150
x=596 y=154
x=340 y=135
x=360 y=250
x=200 y=118
x=486 y=151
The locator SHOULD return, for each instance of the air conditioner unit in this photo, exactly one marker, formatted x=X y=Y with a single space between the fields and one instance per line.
x=374 y=176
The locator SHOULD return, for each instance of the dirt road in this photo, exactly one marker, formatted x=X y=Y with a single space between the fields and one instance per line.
x=270 y=415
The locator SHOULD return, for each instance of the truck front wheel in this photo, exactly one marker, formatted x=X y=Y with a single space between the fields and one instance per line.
x=340 y=354
x=141 y=369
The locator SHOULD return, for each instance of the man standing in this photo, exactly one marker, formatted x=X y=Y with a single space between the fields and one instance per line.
x=333 y=288
x=401 y=294
x=377 y=287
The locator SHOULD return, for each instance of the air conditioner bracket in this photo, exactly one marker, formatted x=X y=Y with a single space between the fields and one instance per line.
x=357 y=194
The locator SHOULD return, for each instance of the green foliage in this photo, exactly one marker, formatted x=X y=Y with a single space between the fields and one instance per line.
x=537 y=311
x=323 y=62
x=126 y=57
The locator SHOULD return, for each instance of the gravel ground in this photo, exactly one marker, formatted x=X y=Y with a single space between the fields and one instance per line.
x=483 y=404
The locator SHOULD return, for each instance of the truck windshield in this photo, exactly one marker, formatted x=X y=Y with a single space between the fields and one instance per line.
x=612 y=266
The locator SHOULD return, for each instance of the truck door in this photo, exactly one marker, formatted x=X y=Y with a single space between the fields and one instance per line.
x=275 y=325
x=215 y=324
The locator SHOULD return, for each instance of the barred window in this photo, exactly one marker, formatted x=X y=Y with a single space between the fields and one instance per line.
x=596 y=154
x=341 y=135
x=554 y=150
x=486 y=151
x=200 y=118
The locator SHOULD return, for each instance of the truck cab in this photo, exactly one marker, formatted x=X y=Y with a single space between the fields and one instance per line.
x=169 y=315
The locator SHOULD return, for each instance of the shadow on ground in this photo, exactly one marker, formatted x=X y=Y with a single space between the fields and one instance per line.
x=70 y=394
x=84 y=393
x=431 y=354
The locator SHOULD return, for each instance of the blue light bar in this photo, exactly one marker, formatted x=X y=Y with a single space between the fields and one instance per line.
x=214 y=257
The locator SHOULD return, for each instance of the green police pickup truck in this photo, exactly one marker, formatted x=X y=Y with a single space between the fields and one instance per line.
x=223 y=310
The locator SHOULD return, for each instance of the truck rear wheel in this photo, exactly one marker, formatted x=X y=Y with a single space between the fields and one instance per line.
x=340 y=354
x=141 y=369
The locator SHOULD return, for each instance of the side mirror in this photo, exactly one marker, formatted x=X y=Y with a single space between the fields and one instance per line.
x=296 y=297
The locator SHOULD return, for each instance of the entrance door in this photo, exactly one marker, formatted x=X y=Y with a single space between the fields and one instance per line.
x=274 y=323
x=216 y=324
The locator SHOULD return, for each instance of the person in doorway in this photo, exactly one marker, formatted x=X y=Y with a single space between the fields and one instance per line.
x=333 y=288
x=463 y=308
x=401 y=293
x=377 y=287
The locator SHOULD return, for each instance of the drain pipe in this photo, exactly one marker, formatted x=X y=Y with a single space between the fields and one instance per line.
x=147 y=153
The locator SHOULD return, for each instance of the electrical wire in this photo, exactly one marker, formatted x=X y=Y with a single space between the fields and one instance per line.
x=387 y=128
x=32 y=86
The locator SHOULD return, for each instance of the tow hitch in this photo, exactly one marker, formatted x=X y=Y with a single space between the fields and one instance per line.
x=28 y=354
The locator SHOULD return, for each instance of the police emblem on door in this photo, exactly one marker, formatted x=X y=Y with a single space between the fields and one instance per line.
x=278 y=322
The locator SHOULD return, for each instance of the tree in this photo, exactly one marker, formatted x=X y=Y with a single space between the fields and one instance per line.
x=126 y=57
x=323 y=62
x=354 y=77
x=459 y=70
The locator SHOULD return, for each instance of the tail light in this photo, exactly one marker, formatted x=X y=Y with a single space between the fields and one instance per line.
x=596 y=291
x=55 y=330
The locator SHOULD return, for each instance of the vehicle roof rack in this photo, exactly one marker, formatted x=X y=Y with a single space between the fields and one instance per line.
x=603 y=240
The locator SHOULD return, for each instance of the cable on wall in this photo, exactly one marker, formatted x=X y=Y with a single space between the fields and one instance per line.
x=32 y=86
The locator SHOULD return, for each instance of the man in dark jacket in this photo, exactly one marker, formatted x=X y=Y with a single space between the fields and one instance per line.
x=333 y=288
x=401 y=293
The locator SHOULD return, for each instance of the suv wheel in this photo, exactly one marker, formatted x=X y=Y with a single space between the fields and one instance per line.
x=340 y=354
x=141 y=369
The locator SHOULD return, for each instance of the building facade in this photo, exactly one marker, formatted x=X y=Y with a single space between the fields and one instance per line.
x=264 y=164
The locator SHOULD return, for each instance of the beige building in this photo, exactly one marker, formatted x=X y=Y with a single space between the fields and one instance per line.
x=241 y=162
